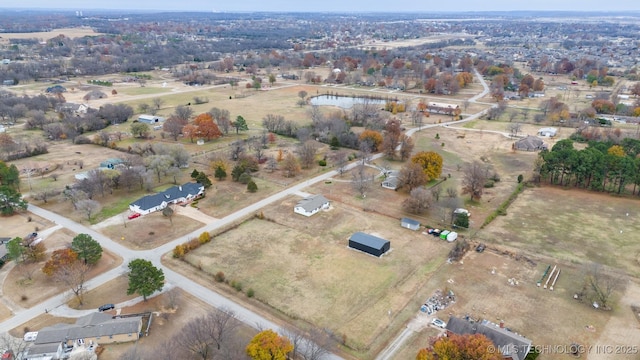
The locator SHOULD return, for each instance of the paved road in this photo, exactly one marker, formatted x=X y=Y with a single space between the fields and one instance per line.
x=154 y=255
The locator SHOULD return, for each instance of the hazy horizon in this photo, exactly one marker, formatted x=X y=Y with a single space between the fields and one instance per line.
x=334 y=6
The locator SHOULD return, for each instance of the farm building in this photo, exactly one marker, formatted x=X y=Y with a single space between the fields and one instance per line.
x=548 y=132
x=173 y=195
x=443 y=108
x=368 y=243
x=311 y=205
x=410 y=223
x=512 y=345
x=530 y=143
x=150 y=119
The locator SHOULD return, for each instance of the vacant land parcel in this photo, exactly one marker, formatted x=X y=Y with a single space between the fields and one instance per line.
x=317 y=278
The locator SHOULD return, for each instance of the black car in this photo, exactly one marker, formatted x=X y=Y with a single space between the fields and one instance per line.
x=106 y=307
x=480 y=248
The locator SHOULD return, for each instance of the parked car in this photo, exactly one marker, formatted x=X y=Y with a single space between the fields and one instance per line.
x=439 y=323
x=459 y=211
x=106 y=307
x=480 y=248
x=134 y=215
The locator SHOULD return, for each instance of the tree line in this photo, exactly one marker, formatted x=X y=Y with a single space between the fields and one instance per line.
x=601 y=166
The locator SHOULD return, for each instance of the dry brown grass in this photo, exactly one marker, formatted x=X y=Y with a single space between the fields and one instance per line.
x=41 y=287
x=330 y=285
x=18 y=225
x=150 y=231
x=113 y=291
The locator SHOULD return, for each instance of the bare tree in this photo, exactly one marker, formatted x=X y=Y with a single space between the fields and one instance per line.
x=290 y=165
x=307 y=153
x=436 y=191
x=173 y=297
x=473 y=180
x=412 y=176
x=418 y=202
x=362 y=180
x=258 y=148
x=296 y=338
x=272 y=164
x=45 y=194
x=514 y=128
x=316 y=345
x=452 y=192
x=168 y=213
x=16 y=344
x=88 y=207
x=99 y=181
x=341 y=160
x=237 y=149
x=600 y=286
x=157 y=104
x=73 y=275
x=406 y=147
x=222 y=326
x=183 y=113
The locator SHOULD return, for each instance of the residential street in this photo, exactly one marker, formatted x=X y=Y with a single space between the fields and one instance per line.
x=174 y=279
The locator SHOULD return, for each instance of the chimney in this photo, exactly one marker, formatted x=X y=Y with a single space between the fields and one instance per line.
x=501 y=324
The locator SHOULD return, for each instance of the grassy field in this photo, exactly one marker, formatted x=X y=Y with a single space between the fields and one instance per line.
x=326 y=283
x=156 y=231
x=578 y=227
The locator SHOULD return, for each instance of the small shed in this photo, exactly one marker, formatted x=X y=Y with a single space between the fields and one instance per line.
x=410 y=223
x=368 y=243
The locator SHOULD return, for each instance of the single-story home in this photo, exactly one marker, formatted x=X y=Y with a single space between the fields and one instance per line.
x=174 y=195
x=150 y=119
x=530 y=143
x=72 y=108
x=390 y=179
x=548 y=132
x=311 y=205
x=513 y=345
x=368 y=243
x=443 y=108
x=410 y=224
x=96 y=328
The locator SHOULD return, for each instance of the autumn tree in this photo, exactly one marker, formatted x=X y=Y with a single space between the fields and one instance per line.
x=473 y=180
x=144 y=278
x=461 y=347
x=418 y=202
x=538 y=85
x=65 y=267
x=391 y=137
x=412 y=176
x=206 y=128
x=372 y=138
x=88 y=249
x=431 y=163
x=190 y=131
x=268 y=345
x=290 y=165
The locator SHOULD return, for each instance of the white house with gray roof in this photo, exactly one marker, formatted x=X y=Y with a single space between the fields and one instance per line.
x=311 y=205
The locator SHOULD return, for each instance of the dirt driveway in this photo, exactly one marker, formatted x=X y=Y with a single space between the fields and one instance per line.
x=194 y=214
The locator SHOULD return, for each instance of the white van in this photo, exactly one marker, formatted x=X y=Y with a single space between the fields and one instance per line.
x=461 y=211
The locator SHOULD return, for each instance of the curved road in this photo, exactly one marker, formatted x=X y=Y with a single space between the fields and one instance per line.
x=154 y=255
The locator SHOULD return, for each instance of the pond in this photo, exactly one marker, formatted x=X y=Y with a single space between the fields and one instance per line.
x=345 y=102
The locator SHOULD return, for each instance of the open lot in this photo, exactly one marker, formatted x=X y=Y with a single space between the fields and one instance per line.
x=19 y=225
x=329 y=285
x=571 y=225
x=150 y=231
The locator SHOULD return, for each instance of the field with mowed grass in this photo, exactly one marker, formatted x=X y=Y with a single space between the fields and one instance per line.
x=303 y=268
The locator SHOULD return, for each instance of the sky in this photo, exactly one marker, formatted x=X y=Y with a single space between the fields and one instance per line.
x=333 y=5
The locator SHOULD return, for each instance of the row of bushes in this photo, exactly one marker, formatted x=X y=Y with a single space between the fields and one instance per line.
x=221 y=278
x=502 y=209
x=183 y=249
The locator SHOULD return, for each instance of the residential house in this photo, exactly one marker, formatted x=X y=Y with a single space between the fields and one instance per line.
x=311 y=205
x=72 y=108
x=368 y=243
x=390 y=179
x=410 y=224
x=512 y=345
x=530 y=143
x=174 y=195
x=56 y=341
x=443 y=108
x=150 y=119
x=548 y=132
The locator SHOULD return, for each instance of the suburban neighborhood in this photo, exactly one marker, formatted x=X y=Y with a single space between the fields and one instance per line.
x=191 y=185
